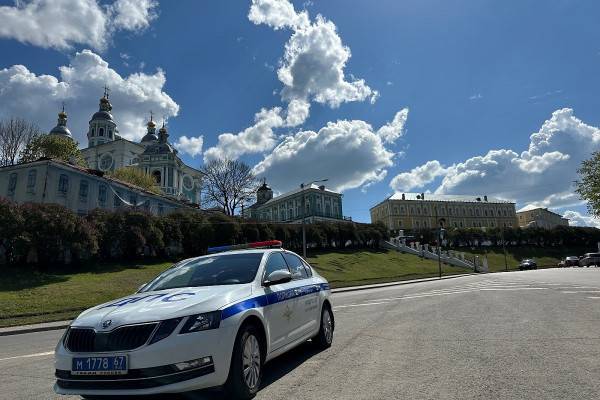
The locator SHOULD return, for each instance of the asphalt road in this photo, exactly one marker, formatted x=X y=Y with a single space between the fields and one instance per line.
x=518 y=335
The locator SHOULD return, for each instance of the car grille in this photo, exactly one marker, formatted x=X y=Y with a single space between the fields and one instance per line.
x=86 y=340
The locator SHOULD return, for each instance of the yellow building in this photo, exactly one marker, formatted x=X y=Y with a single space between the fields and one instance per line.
x=406 y=211
x=540 y=217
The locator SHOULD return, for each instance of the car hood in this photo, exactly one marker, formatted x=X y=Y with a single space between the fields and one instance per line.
x=160 y=305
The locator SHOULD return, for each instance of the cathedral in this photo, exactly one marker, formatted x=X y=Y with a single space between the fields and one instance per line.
x=108 y=151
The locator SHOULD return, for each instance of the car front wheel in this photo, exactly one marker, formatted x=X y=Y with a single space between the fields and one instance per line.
x=245 y=372
x=324 y=338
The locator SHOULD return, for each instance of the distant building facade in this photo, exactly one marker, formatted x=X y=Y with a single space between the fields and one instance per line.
x=407 y=211
x=108 y=151
x=320 y=204
x=530 y=216
x=78 y=189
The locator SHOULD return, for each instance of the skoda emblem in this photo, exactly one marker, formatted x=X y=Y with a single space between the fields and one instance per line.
x=106 y=323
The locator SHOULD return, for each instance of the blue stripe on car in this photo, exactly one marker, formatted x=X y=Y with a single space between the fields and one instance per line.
x=271 y=298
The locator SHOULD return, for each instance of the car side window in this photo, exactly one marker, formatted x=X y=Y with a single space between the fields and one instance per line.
x=296 y=266
x=275 y=263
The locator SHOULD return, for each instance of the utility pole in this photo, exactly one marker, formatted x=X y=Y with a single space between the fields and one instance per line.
x=302 y=187
x=440 y=238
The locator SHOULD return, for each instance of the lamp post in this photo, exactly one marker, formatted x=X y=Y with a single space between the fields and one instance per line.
x=504 y=250
x=441 y=233
x=303 y=186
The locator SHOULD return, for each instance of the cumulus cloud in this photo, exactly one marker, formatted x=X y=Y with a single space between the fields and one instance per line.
x=38 y=97
x=391 y=131
x=60 y=24
x=543 y=174
x=349 y=153
x=312 y=69
x=254 y=139
x=417 y=177
x=190 y=145
x=578 y=219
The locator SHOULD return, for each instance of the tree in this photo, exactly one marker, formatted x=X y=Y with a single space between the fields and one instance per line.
x=137 y=177
x=588 y=187
x=52 y=146
x=228 y=184
x=15 y=133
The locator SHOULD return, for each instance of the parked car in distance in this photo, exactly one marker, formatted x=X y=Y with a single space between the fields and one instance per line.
x=527 y=263
x=589 y=259
x=571 y=261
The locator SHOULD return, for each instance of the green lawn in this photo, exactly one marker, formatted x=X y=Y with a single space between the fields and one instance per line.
x=363 y=267
x=545 y=257
x=27 y=297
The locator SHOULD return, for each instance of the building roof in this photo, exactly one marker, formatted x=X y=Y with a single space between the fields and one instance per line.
x=448 y=197
x=296 y=191
x=531 y=207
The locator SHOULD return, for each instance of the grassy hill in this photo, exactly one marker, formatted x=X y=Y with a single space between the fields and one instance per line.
x=30 y=297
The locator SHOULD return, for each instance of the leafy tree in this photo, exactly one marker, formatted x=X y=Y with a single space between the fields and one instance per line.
x=137 y=177
x=228 y=184
x=588 y=186
x=15 y=133
x=52 y=146
x=11 y=230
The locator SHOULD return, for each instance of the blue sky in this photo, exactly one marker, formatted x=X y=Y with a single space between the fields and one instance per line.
x=474 y=79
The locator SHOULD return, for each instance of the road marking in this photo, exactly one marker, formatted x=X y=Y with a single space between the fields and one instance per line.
x=581 y=291
x=593 y=297
x=522 y=288
x=48 y=353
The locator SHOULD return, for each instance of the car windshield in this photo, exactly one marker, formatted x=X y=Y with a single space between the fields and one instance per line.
x=221 y=269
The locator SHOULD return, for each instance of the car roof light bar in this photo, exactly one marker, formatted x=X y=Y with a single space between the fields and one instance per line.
x=256 y=245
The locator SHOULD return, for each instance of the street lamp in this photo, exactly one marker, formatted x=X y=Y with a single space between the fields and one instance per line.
x=441 y=233
x=303 y=186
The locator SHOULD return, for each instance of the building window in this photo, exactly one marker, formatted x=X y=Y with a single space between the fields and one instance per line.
x=83 y=190
x=63 y=184
x=93 y=132
x=31 y=178
x=102 y=195
x=157 y=177
x=12 y=183
x=110 y=133
x=505 y=214
x=101 y=132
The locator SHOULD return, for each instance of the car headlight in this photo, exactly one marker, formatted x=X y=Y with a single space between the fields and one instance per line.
x=165 y=329
x=202 y=322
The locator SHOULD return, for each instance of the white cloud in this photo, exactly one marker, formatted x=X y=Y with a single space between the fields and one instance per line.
x=417 y=177
x=578 y=219
x=391 y=131
x=349 y=153
x=277 y=14
x=254 y=139
x=60 y=24
x=312 y=69
x=133 y=15
x=38 y=97
x=543 y=174
x=191 y=146
x=476 y=96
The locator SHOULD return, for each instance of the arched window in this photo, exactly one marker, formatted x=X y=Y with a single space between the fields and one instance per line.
x=12 y=183
x=31 y=178
x=157 y=177
x=63 y=184
x=93 y=131
x=101 y=132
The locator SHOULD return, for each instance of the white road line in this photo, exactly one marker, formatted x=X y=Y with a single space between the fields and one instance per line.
x=48 y=353
x=593 y=297
x=581 y=291
x=523 y=288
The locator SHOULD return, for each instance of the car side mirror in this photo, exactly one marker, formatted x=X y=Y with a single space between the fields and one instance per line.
x=279 y=276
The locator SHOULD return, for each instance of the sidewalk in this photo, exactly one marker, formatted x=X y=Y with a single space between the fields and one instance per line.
x=49 y=326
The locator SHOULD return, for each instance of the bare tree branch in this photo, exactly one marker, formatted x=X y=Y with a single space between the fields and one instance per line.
x=228 y=184
x=15 y=133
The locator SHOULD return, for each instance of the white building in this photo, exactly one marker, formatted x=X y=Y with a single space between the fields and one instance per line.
x=79 y=189
x=108 y=151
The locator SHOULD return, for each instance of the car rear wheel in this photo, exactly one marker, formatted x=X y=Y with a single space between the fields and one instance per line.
x=245 y=373
x=324 y=338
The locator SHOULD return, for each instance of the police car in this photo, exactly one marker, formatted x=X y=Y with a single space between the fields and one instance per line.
x=207 y=321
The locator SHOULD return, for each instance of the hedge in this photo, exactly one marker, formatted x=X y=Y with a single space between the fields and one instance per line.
x=49 y=236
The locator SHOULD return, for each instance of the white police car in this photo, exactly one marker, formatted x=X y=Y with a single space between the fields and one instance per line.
x=207 y=321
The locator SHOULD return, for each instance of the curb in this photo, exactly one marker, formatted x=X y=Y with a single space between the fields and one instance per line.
x=18 y=330
x=398 y=283
x=51 y=326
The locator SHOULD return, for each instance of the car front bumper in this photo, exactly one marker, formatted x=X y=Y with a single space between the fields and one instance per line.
x=151 y=368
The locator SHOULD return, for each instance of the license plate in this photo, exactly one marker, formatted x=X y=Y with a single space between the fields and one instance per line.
x=109 y=365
